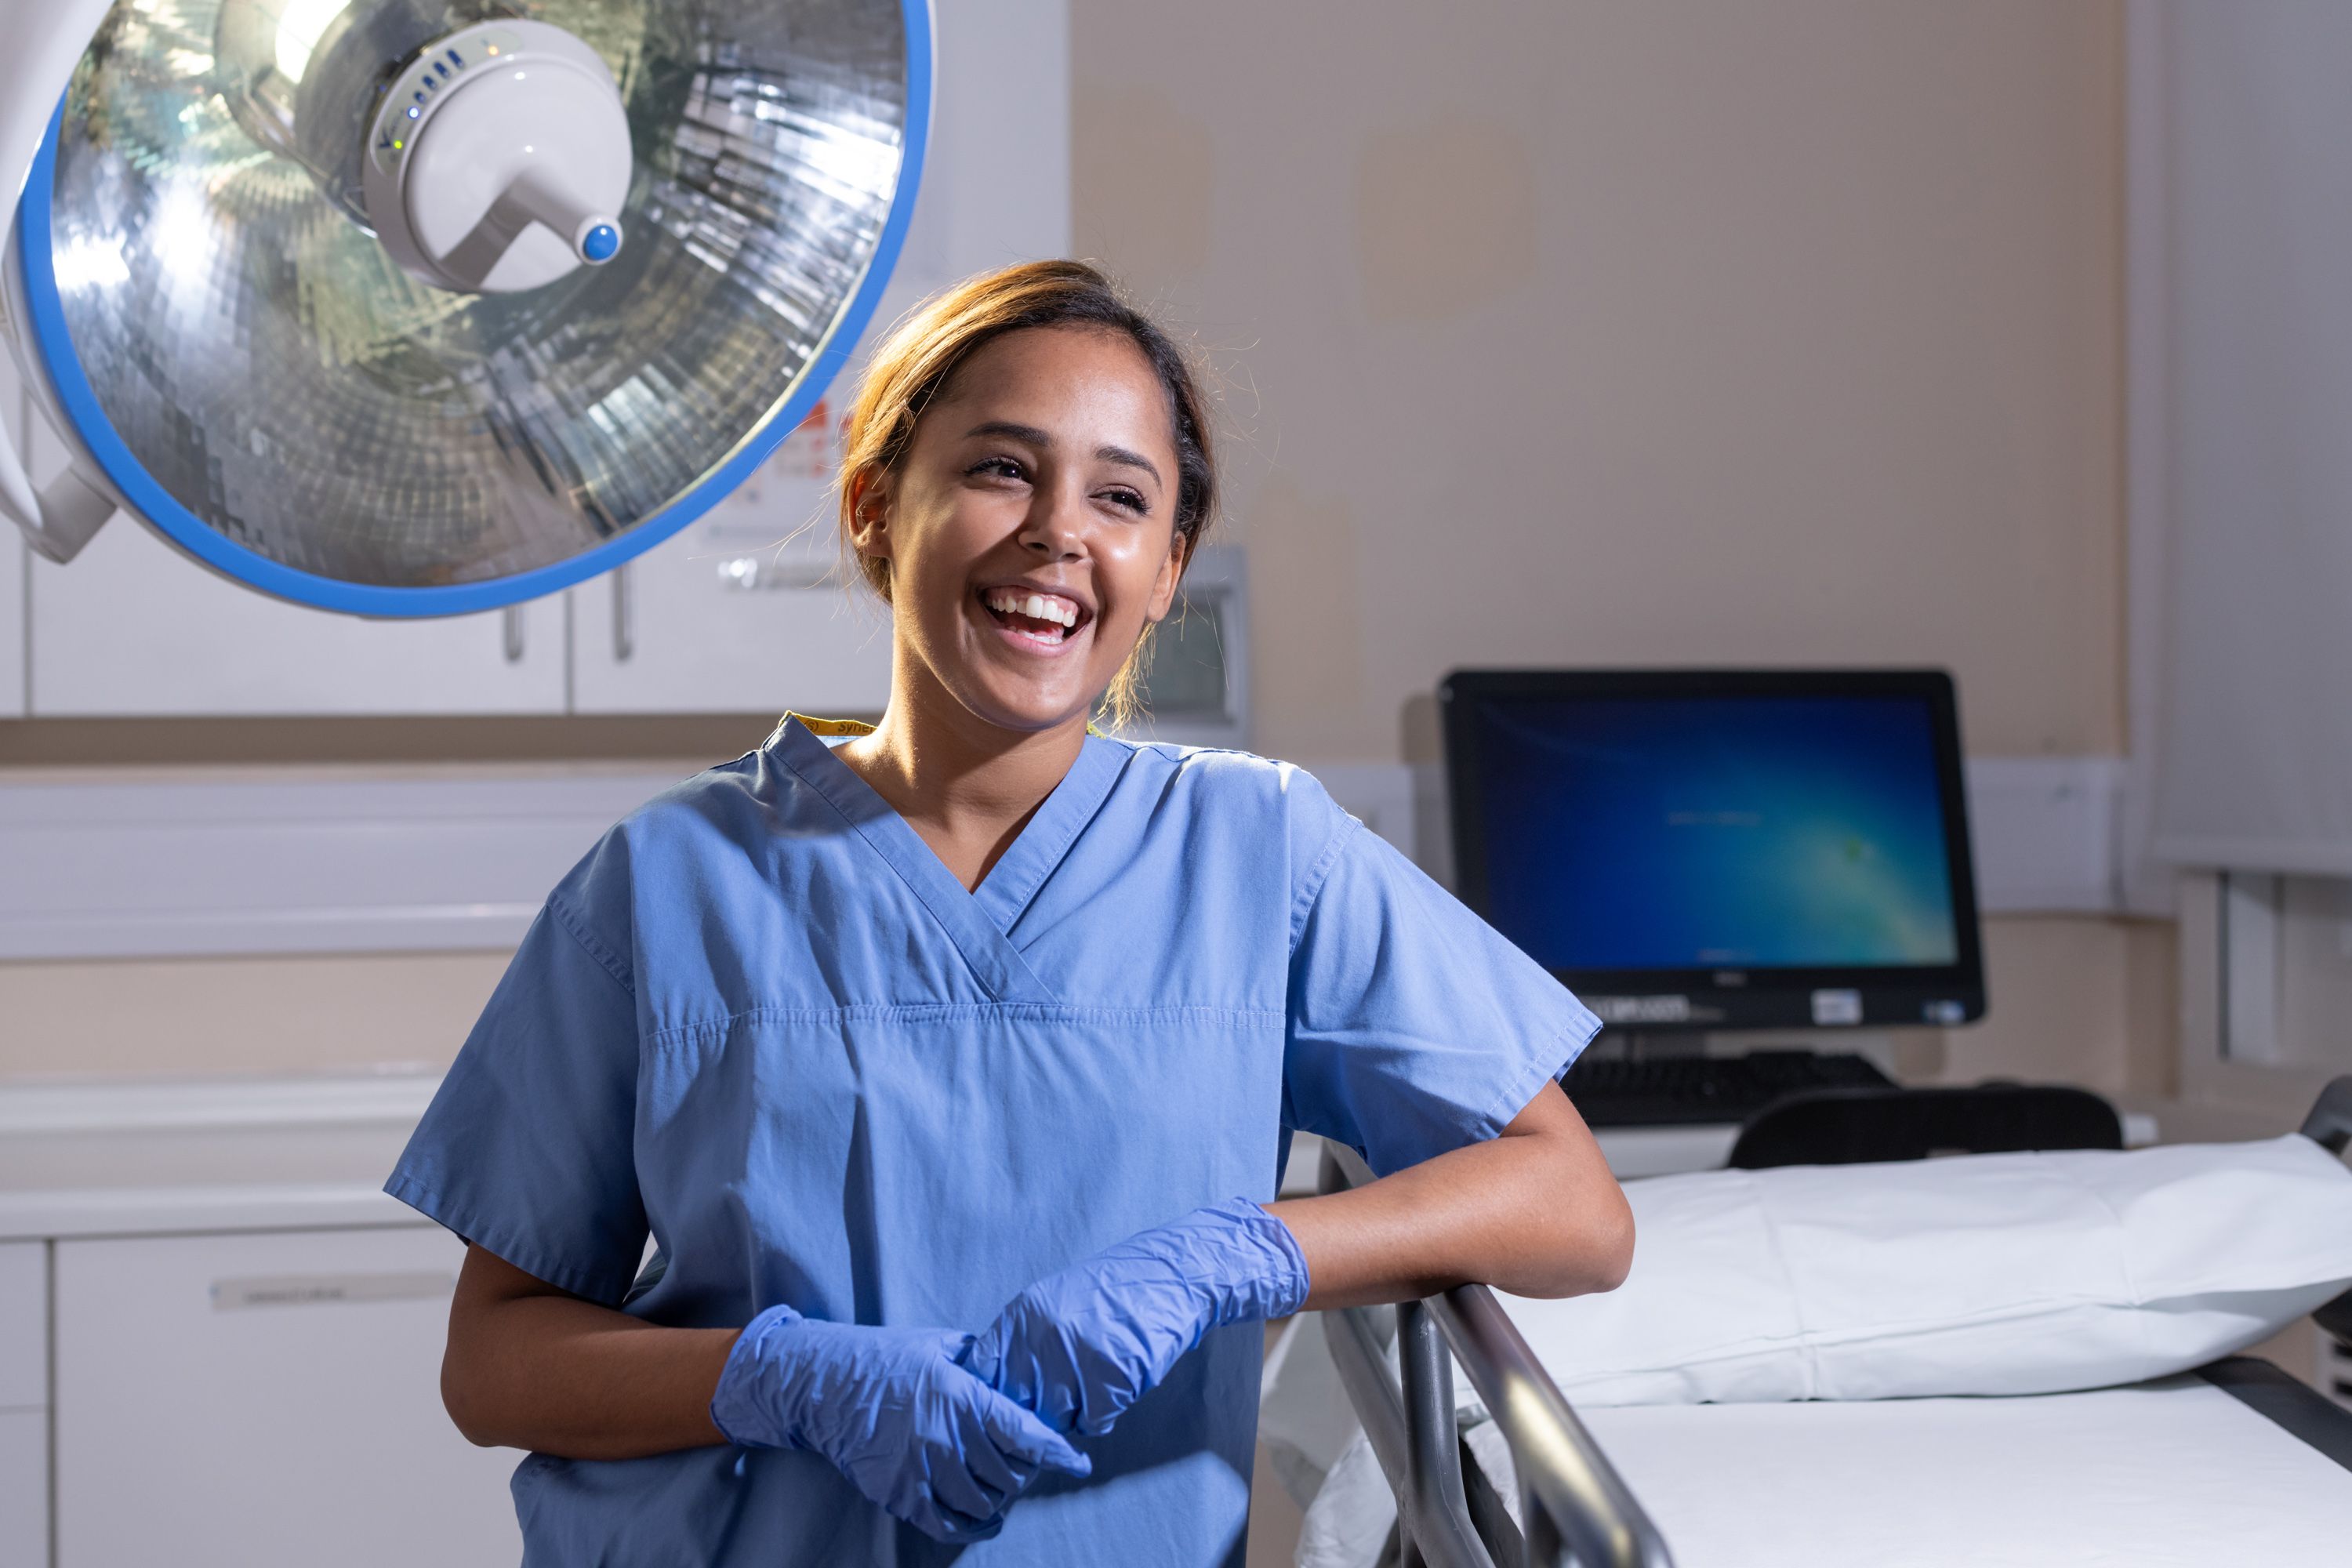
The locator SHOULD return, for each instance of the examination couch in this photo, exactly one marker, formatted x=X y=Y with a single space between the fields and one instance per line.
x=2229 y=1461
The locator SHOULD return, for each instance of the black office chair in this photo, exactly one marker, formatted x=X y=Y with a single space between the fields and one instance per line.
x=1855 y=1126
x=2330 y=1126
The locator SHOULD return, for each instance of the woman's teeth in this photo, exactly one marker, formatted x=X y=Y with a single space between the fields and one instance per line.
x=1045 y=613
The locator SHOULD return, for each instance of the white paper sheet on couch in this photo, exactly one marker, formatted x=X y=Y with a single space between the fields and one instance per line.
x=2173 y=1473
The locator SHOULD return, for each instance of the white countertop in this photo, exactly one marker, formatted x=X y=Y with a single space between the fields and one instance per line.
x=100 y=1159
x=65 y=1213
x=289 y=1153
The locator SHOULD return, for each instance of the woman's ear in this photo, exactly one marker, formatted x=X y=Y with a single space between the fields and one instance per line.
x=1172 y=575
x=869 y=515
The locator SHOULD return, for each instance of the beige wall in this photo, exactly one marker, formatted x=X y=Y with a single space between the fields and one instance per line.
x=1622 y=332
x=1568 y=332
x=1641 y=330
x=191 y=1016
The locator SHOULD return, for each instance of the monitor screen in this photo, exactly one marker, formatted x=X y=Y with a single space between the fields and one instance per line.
x=1721 y=834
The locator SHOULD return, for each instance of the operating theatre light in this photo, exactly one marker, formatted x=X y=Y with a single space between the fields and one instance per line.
x=413 y=307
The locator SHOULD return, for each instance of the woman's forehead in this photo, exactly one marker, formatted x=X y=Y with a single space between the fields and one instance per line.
x=1078 y=378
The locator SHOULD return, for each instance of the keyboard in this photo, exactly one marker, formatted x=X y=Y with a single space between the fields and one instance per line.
x=1660 y=1092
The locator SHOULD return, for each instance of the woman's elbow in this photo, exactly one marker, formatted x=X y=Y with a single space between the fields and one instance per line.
x=1613 y=1254
x=1591 y=1251
x=460 y=1396
x=477 y=1399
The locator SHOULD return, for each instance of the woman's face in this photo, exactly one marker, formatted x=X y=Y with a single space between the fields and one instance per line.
x=1030 y=526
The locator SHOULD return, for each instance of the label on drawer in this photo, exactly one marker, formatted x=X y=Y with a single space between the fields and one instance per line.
x=326 y=1289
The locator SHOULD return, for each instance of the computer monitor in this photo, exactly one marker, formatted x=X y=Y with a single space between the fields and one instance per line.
x=1195 y=686
x=1722 y=850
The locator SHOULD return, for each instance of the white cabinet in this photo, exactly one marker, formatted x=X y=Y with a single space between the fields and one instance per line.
x=132 y=628
x=13 y=551
x=23 y=1326
x=267 y=1400
x=719 y=618
x=14 y=555
x=744 y=611
x=24 y=1488
x=24 y=1397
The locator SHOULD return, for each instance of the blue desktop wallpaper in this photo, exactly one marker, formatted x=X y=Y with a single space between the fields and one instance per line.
x=1681 y=833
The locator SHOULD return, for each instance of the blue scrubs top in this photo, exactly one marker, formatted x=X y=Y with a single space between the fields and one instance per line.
x=763 y=1024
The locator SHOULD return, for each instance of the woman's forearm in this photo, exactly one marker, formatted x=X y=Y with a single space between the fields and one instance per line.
x=1534 y=1211
x=530 y=1367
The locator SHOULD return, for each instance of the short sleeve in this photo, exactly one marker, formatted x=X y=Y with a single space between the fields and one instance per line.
x=1414 y=1026
x=527 y=1150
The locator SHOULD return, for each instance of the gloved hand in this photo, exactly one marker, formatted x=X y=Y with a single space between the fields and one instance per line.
x=1080 y=1346
x=912 y=1429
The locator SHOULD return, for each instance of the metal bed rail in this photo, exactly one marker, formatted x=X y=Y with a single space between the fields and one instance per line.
x=1578 y=1508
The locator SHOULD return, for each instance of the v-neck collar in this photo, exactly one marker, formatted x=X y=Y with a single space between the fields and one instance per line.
x=977 y=919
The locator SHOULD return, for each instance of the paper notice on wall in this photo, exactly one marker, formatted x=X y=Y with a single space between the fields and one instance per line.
x=813 y=447
x=786 y=504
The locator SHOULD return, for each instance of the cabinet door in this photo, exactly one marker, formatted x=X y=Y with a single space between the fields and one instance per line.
x=23 y=1326
x=12 y=552
x=266 y=1401
x=744 y=611
x=24 y=1395
x=24 y=1488
x=132 y=628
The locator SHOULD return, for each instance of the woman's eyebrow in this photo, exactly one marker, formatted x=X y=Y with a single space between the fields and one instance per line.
x=1130 y=459
x=1029 y=435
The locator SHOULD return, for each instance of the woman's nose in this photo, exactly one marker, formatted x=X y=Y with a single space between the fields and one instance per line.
x=1054 y=527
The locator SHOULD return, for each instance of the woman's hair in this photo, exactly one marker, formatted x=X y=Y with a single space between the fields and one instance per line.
x=915 y=363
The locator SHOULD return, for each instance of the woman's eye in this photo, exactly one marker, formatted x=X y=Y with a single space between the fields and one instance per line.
x=1000 y=468
x=1132 y=501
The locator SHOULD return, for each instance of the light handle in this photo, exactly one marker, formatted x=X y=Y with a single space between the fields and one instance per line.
x=46 y=39
x=57 y=518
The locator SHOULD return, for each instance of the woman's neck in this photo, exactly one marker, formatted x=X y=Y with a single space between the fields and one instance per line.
x=967 y=787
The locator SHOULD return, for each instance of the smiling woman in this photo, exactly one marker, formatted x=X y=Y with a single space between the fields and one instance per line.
x=950 y=1064
x=1069 y=331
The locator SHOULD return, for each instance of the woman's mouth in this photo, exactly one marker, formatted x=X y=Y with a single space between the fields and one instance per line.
x=1032 y=616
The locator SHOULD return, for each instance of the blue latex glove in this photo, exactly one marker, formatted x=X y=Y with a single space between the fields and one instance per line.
x=913 y=1430
x=1080 y=1346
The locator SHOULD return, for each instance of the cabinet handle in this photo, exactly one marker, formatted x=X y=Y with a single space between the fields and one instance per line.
x=625 y=637
x=513 y=634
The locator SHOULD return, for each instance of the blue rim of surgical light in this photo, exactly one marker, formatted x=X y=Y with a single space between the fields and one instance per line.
x=223 y=554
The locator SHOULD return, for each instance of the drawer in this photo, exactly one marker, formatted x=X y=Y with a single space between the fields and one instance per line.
x=24 y=1487
x=23 y=1326
x=270 y=1401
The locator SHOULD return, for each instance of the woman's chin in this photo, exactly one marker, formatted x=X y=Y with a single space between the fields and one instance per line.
x=1029 y=707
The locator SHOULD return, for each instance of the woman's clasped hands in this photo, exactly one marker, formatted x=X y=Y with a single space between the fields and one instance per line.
x=945 y=1430
x=912 y=1429
x=1078 y=1347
